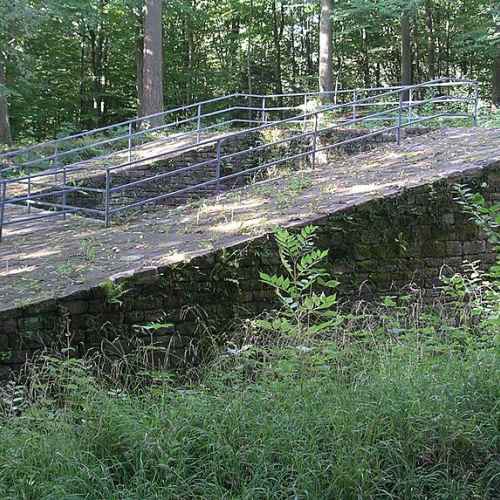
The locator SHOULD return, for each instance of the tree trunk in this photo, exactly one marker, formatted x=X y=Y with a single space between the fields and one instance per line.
x=249 y=49
x=365 y=59
x=325 y=49
x=191 y=83
x=278 y=27
x=139 y=64
x=153 y=62
x=431 y=44
x=139 y=54
x=293 y=58
x=496 y=76
x=406 y=57
x=5 y=134
x=235 y=53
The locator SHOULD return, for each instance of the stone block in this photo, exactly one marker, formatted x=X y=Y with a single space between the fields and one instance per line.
x=454 y=248
x=448 y=219
x=76 y=307
x=433 y=248
x=8 y=326
x=30 y=324
x=134 y=317
x=474 y=247
x=153 y=316
x=97 y=306
x=4 y=343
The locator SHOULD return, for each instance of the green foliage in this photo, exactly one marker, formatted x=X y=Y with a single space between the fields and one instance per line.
x=305 y=310
x=366 y=424
x=71 y=64
x=487 y=218
x=114 y=291
x=478 y=289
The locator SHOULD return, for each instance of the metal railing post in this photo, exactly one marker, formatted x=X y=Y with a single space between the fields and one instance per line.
x=106 y=198
x=305 y=112
x=129 y=142
x=3 y=191
x=410 y=106
x=29 y=192
x=315 y=140
x=476 y=105
x=56 y=165
x=249 y=105
x=354 y=99
x=64 y=195
x=263 y=114
x=56 y=156
x=400 y=118
x=218 y=165
x=198 y=125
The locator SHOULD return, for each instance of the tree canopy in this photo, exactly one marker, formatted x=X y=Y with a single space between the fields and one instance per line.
x=74 y=64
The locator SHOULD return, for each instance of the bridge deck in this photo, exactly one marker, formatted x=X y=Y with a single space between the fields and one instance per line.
x=52 y=257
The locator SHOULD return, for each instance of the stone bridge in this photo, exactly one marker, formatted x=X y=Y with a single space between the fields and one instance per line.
x=386 y=215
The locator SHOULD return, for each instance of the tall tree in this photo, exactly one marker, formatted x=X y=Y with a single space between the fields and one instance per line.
x=14 y=25
x=278 y=28
x=325 y=48
x=139 y=57
x=496 y=77
x=406 y=55
x=152 y=88
x=5 y=134
x=431 y=44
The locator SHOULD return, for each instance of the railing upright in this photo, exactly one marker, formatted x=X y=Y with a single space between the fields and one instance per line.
x=28 y=202
x=218 y=165
x=249 y=105
x=354 y=98
x=107 y=219
x=56 y=165
x=3 y=192
x=130 y=142
x=305 y=112
x=263 y=114
x=64 y=194
x=198 y=125
x=400 y=117
x=410 y=106
x=315 y=140
x=476 y=105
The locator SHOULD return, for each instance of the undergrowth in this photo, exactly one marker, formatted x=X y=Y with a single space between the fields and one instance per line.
x=398 y=399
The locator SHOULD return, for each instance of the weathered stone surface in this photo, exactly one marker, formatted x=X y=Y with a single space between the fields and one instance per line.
x=383 y=230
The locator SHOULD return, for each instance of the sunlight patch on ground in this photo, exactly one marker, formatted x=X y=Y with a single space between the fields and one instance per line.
x=17 y=270
x=38 y=254
x=365 y=188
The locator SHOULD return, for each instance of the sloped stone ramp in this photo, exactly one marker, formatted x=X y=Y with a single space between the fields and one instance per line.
x=387 y=216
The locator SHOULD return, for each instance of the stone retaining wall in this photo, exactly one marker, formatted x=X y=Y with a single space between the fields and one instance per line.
x=376 y=247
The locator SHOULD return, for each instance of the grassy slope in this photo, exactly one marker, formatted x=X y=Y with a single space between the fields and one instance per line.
x=399 y=423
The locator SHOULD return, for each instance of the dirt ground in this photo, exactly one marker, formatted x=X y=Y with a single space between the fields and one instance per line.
x=54 y=257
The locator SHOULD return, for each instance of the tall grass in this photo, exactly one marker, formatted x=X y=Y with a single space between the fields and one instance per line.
x=398 y=422
x=398 y=403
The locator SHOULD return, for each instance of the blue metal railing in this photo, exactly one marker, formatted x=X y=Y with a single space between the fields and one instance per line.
x=39 y=189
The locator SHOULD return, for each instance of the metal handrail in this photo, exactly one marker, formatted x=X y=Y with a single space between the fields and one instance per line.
x=160 y=114
x=57 y=155
x=33 y=199
x=357 y=103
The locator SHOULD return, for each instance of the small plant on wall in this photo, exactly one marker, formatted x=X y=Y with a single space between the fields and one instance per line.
x=305 y=290
x=479 y=289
